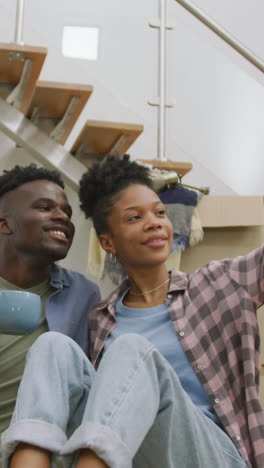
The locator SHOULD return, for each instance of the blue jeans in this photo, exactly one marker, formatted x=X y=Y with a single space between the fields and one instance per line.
x=131 y=412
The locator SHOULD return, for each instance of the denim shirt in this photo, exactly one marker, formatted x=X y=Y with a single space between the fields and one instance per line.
x=68 y=306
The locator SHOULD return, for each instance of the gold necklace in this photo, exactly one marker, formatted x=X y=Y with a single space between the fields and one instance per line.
x=151 y=290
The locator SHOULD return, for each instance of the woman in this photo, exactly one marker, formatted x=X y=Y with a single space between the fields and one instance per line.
x=175 y=354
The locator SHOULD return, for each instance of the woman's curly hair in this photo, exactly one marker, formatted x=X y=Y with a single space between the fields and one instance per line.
x=19 y=175
x=103 y=181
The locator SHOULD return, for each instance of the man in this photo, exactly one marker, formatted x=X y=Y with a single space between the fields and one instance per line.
x=36 y=231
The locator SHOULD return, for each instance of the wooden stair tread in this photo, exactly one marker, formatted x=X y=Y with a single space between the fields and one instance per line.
x=11 y=68
x=51 y=100
x=180 y=167
x=102 y=137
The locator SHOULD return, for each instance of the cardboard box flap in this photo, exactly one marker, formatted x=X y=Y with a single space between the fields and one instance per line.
x=223 y=211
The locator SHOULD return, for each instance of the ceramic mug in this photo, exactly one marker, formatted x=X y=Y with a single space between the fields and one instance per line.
x=20 y=312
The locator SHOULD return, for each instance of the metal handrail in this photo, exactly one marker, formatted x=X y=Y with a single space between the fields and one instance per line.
x=19 y=22
x=221 y=32
x=162 y=81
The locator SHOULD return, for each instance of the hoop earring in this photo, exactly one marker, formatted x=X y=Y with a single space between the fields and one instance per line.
x=113 y=259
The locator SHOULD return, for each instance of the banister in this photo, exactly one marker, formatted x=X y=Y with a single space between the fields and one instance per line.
x=19 y=22
x=162 y=82
x=221 y=32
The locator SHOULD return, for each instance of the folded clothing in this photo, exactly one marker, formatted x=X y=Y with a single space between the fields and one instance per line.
x=181 y=204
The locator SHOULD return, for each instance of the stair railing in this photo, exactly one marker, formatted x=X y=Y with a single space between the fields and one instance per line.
x=222 y=33
x=19 y=22
x=161 y=24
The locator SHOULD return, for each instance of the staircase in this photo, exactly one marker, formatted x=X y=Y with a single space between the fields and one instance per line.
x=40 y=115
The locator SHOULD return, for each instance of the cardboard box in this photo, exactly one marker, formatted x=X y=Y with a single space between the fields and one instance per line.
x=231 y=211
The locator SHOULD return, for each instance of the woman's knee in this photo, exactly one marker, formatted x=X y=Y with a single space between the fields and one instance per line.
x=131 y=343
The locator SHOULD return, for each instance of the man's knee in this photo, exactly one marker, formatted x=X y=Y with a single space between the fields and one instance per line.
x=51 y=340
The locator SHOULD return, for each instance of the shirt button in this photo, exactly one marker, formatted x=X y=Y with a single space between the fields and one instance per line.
x=237 y=437
x=217 y=400
x=181 y=333
x=169 y=296
x=200 y=366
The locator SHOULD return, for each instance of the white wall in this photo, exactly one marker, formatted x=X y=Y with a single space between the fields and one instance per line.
x=220 y=98
x=217 y=120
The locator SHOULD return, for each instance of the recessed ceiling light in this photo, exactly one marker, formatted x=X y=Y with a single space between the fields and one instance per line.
x=80 y=42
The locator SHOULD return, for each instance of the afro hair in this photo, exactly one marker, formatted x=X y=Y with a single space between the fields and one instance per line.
x=19 y=175
x=103 y=181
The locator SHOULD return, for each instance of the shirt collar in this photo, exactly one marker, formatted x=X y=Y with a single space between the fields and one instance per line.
x=178 y=282
x=58 y=278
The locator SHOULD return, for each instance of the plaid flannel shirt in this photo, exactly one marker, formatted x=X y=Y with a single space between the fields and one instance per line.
x=213 y=311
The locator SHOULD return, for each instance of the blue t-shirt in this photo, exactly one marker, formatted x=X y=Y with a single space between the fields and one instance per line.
x=155 y=325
